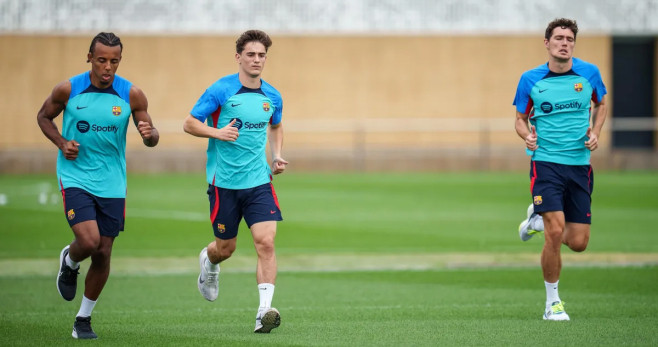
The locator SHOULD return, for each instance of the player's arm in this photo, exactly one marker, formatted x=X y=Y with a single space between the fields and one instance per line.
x=528 y=134
x=51 y=108
x=139 y=108
x=195 y=127
x=599 y=113
x=276 y=144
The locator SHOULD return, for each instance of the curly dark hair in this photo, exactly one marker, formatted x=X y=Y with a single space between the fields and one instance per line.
x=564 y=23
x=250 y=36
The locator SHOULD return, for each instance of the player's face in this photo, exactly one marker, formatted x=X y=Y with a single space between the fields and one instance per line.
x=561 y=44
x=252 y=59
x=104 y=64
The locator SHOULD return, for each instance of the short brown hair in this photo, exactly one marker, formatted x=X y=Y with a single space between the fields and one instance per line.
x=250 y=36
x=564 y=23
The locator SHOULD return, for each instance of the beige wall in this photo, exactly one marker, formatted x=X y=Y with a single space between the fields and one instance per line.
x=329 y=84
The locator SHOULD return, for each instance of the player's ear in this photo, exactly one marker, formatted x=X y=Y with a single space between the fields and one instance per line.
x=89 y=56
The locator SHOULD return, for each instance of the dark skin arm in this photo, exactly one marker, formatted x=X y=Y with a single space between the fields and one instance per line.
x=51 y=108
x=139 y=106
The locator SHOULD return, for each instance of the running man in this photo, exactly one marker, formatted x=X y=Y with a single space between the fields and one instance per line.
x=564 y=100
x=91 y=166
x=240 y=110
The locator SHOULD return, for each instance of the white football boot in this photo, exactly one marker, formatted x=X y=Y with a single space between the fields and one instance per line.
x=533 y=224
x=556 y=312
x=208 y=281
x=267 y=319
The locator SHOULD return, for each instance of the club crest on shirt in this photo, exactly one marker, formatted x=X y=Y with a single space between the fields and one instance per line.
x=578 y=87
x=537 y=200
x=70 y=214
x=116 y=110
x=221 y=228
x=266 y=106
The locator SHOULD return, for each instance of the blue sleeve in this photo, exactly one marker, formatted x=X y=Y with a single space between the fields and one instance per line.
x=593 y=75
x=277 y=102
x=206 y=105
x=597 y=83
x=528 y=80
x=278 y=112
x=522 y=99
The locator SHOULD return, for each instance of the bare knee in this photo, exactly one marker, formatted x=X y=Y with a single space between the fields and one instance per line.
x=576 y=236
x=103 y=252
x=577 y=245
x=88 y=245
x=226 y=251
x=265 y=245
x=221 y=250
x=553 y=237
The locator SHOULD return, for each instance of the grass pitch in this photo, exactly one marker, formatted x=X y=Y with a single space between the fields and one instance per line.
x=366 y=259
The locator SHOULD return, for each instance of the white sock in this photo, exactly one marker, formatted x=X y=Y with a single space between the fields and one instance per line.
x=551 y=293
x=211 y=267
x=266 y=292
x=86 y=307
x=70 y=263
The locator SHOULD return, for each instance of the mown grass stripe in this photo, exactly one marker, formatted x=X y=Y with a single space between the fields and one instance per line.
x=338 y=263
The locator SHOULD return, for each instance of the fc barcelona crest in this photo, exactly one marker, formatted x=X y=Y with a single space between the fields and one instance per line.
x=221 y=228
x=116 y=110
x=70 y=214
x=578 y=87
x=537 y=200
x=266 y=106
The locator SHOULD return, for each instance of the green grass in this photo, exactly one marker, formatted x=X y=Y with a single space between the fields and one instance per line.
x=609 y=307
x=342 y=213
x=359 y=217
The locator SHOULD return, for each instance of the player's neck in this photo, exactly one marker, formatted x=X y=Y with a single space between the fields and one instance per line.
x=97 y=83
x=249 y=81
x=558 y=66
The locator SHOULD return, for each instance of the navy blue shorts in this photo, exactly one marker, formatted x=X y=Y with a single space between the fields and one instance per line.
x=567 y=188
x=81 y=206
x=229 y=206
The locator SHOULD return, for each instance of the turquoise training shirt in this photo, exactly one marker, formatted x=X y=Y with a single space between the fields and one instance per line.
x=97 y=119
x=241 y=164
x=558 y=106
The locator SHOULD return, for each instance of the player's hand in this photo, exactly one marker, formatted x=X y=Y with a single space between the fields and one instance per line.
x=593 y=142
x=229 y=132
x=278 y=165
x=531 y=139
x=70 y=149
x=145 y=129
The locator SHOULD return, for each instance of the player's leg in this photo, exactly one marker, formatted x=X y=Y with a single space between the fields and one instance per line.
x=262 y=214
x=209 y=259
x=267 y=317
x=225 y=219
x=550 y=256
x=110 y=220
x=263 y=234
x=548 y=189
x=551 y=262
x=97 y=275
x=99 y=270
x=80 y=211
x=577 y=208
